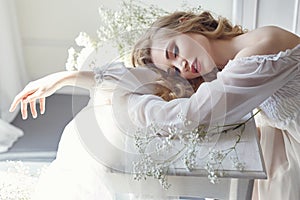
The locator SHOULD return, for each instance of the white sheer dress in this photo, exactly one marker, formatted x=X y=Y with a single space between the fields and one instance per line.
x=86 y=158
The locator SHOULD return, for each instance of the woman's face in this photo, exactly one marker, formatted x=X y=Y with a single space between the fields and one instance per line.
x=186 y=54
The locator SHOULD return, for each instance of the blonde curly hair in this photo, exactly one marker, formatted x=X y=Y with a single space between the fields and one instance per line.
x=181 y=23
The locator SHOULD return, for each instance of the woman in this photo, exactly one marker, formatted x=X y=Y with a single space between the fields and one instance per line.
x=193 y=45
x=232 y=95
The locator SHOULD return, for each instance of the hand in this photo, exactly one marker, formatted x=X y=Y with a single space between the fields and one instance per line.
x=37 y=90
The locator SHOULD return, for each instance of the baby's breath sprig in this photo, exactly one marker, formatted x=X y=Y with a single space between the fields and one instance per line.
x=216 y=157
x=173 y=144
x=126 y=24
x=18 y=182
x=121 y=28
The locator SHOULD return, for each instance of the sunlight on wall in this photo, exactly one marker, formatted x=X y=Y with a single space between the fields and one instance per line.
x=218 y=7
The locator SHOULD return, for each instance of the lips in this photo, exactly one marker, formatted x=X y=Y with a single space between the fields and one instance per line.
x=196 y=66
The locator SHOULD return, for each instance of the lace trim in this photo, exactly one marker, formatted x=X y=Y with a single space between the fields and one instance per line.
x=260 y=58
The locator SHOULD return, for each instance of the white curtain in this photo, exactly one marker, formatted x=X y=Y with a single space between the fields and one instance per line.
x=12 y=72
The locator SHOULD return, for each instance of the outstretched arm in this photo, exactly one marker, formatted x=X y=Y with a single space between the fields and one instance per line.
x=242 y=86
x=46 y=86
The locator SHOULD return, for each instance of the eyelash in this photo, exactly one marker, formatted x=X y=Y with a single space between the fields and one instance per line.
x=175 y=51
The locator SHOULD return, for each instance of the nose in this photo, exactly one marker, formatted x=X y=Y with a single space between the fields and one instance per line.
x=182 y=65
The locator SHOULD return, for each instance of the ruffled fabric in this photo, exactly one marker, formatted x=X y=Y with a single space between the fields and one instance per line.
x=282 y=108
x=112 y=71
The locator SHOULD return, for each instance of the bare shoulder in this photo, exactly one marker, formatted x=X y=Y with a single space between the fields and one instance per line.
x=268 y=40
x=275 y=33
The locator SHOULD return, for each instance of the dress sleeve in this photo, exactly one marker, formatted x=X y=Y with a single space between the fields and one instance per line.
x=242 y=86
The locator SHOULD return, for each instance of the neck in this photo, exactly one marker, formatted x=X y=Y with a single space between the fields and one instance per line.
x=223 y=50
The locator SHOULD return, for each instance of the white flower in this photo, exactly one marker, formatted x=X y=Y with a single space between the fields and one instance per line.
x=84 y=40
x=85 y=57
x=71 y=64
x=216 y=156
x=213 y=178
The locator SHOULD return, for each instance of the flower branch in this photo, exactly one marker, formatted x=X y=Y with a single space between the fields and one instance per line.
x=174 y=144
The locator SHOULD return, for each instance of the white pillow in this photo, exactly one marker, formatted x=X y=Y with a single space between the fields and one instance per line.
x=8 y=135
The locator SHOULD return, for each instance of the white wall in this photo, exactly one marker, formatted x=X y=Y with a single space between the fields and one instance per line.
x=256 y=13
x=280 y=13
x=49 y=27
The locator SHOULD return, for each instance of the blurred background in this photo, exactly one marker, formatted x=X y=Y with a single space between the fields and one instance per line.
x=48 y=28
x=35 y=37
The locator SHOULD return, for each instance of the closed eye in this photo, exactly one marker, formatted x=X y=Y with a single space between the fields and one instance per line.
x=172 y=51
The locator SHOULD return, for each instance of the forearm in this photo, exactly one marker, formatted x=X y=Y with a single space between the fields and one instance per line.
x=82 y=79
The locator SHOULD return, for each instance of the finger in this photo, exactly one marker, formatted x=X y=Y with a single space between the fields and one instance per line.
x=32 y=98
x=14 y=104
x=33 y=109
x=42 y=105
x=20 y=97
x=24 y=109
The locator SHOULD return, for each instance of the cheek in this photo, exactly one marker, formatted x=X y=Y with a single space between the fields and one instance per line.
x=158 y=60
